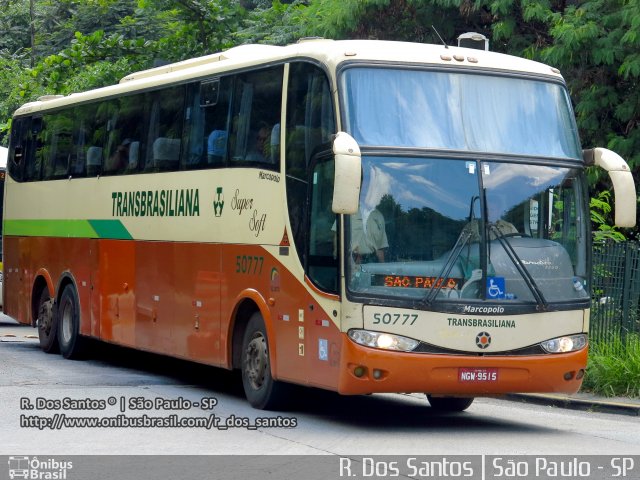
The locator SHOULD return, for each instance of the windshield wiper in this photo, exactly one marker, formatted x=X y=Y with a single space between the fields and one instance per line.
x=461 y=241
x=528 y=279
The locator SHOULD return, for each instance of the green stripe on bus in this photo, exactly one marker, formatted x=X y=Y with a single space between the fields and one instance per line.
x=110 y=229
x=67 y=228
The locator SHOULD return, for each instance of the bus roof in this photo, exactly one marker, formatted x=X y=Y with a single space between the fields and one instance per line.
x=328 y=52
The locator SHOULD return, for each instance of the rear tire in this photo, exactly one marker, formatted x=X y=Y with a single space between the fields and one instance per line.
x=261 y=390
x=68 y=316
x=450 y=404
x=47 y=323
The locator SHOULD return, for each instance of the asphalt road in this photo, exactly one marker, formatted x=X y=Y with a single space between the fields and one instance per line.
x=41 y=394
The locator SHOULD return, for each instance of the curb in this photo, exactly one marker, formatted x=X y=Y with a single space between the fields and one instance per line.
x=589 y=405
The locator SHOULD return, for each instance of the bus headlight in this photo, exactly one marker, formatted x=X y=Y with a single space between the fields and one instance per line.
x=385 y=341
x=570 y=343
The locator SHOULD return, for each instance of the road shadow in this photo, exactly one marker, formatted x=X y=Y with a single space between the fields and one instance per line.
x=397 y=412
x=370 y=412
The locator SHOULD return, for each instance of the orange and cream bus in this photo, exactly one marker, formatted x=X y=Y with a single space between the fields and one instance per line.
x=358 y=216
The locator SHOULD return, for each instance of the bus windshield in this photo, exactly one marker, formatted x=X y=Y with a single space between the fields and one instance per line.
x=450 y=229
x=459 y=111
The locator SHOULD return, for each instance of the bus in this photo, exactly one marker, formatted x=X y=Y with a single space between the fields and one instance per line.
x=356 y=216
x=3 y=167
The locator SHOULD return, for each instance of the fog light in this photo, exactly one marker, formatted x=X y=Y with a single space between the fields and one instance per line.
x=580 y=374
x=358 y=371
x=377 y=374
x=568 y=376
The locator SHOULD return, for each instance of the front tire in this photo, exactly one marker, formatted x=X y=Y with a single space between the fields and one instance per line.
x=261 y=390
x=68 y=315
x=449 y=404
x=47 y=323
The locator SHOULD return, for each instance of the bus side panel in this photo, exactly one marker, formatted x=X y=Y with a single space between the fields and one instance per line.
x=155 y=310
x=94 y=272
x=304 y=340
x=71 y=256
x=55 y=256
x=116 y=294
x=197 y=286
x=17 y=298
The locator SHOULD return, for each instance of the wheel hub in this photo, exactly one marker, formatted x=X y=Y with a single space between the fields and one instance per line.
x=256 y=361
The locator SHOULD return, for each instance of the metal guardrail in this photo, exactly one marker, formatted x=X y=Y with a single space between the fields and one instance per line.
x=615 y=292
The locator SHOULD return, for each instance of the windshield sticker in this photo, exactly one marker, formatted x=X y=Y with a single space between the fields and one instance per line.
x=471 y=166
x=495 y=287
x=487 y=169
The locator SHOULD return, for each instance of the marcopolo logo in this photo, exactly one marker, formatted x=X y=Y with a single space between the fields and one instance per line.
x=38 y=469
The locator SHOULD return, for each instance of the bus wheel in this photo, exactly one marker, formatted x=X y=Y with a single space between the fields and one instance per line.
x=449 y=404
x=47 y=323
x=69 y=339
x=261 y=390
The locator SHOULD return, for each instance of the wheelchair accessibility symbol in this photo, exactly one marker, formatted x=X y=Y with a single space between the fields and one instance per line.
x=495 y=287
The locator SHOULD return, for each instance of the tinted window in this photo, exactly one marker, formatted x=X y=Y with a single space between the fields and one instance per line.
x=166 y=115
x=255 y=126
x=310 y=124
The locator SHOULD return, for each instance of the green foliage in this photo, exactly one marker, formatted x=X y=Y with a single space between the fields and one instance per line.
x=613 y=368
x=600 y=209
x=277 y=24
x=85 y=44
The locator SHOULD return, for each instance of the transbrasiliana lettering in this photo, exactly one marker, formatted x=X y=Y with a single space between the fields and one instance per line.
x=156 y=203
x=481 y=322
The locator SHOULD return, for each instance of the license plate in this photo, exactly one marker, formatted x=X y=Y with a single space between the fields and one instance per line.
x=477 y=374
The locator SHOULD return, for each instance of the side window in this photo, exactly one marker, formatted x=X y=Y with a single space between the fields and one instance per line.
x=164 y=135
x=58 y=150
x=255 y=127
x=310 y=125
x=124 y=135
x=91 y=131
x=33 y=166
x=19 y=147
x=207 y=123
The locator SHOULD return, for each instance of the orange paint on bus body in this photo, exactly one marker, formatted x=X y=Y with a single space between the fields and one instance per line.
x=438 y=374
x=179 y=299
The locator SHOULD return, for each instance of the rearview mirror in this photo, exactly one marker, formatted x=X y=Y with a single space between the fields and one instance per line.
x=624 y=188
x=346 y=191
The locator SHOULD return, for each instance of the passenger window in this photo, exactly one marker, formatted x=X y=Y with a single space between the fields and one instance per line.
x=18 y=155
x=207 y=126
x=90 y=130
x=124 y=136
x=255 y=127
x=165 y=129
x=56 y=156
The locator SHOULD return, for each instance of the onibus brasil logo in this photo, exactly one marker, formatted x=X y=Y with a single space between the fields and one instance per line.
x=34 y=468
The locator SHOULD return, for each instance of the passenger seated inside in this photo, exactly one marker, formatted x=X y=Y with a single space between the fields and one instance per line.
x=217 y=146
x=119 y=161
x=258 y=152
